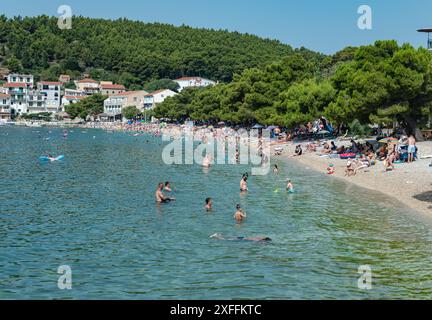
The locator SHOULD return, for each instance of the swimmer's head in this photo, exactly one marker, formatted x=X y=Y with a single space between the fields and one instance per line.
x=267 y=239
x=238 y=207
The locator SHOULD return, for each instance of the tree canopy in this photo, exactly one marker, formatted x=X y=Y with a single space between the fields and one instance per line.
x=380 y=84
x=90 y=106
x=132 y=52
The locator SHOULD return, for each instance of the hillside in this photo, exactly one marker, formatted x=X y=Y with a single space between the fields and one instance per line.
x=132 y=52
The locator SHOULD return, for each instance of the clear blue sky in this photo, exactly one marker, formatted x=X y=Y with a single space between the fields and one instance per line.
x=323 y=25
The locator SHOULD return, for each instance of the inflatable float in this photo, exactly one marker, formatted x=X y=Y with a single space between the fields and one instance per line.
x=47 y=159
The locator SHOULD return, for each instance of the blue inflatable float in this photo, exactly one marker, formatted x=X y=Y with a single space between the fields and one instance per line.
x=47 y=159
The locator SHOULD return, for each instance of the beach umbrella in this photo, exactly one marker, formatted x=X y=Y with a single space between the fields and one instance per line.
x=257 y=126
x=221 y=123
x=272 y=128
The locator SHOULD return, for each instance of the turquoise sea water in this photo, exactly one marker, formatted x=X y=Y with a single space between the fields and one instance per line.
x=95 y=212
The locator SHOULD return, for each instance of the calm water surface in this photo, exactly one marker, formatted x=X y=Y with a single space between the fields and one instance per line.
x=96 y=213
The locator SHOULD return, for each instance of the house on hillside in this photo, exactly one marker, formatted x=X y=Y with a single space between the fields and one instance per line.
x=67 y=100
x=64 y=78
x=18 y=92
x=5 y=109
x=26 y=79
x=52 y=93
x=36 y=102
x=89 y=86
x=187 y=82
x=114 y=104
x=110 y=89
x=154 y=98
x=72 y=92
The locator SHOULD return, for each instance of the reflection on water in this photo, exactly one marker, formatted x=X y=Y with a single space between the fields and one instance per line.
x=95 y=212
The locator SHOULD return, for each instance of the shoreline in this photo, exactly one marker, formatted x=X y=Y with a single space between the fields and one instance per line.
x=402 y=185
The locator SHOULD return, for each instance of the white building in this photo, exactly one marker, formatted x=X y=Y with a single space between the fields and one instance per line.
x=18 y=94
x=154 y=98
x=72 y=92
x=187 y=82
x=52 y=93
x=27 y=79
x=36 y=102
x=71 y=99
x=5 y=110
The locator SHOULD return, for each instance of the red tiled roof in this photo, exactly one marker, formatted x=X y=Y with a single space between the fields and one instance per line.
x=126 y=93
x=3 y=95
x=87 y=81
x=14 y=85
x=113 y=86
x=189 y=78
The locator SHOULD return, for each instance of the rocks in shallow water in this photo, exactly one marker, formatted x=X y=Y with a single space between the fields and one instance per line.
x=425 y=196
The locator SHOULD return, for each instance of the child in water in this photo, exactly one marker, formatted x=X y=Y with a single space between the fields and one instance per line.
x=331 y=169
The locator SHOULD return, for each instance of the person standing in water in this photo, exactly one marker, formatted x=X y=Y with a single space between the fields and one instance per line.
x=243 y=183
x=240 y=215
x=275 y=169
x=160 y=197
x=290 y=186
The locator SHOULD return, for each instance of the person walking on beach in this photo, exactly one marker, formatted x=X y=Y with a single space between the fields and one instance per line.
x=240 y=215
x=411 y=148
x=243 y=183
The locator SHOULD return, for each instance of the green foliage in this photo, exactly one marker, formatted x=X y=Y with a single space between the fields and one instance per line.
x=130 y=112
x=134 y=52
x=90 y=106
x=358 y=129
x=161 y=84
x=43 y=116
x=379 y=84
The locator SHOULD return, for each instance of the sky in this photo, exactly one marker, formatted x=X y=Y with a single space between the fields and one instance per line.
x=322 y=25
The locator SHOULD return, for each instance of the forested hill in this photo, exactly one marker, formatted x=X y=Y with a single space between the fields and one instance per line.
x=130 y=51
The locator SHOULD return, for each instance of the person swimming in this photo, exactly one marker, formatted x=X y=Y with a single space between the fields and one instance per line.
x=240 y=215
x=160 y=197
x=209 y=204
x=275 y=169
x=219 y=236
